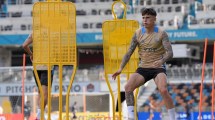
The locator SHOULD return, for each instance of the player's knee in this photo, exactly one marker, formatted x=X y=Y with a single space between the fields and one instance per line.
x=128 y=88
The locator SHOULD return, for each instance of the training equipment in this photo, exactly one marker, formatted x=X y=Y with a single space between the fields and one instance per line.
x=117 y=35
x=54 y=43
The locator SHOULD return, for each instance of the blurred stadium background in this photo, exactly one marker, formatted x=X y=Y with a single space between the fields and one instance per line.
x=188 y=23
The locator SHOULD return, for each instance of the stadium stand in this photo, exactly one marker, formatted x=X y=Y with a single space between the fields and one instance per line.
x=183 y=93
x=203 y=16
x=176 y=11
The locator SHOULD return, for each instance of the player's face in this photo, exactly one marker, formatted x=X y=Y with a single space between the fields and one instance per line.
x=148 y=21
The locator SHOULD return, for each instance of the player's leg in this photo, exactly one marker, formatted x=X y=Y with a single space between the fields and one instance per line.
x=45 y=91
x=43 y=76
x=44 y=82
x=134 y=82
x=161 y=82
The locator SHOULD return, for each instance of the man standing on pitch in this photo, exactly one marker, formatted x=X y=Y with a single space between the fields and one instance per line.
x=42 y=73
x=154 y=50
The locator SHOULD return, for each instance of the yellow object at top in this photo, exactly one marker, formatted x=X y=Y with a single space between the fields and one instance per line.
x=54 y=33
x=117 y=35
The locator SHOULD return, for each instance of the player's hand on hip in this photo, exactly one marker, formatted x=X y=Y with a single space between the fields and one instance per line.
x=31 y=57
x=116 y=74
x=158 y=63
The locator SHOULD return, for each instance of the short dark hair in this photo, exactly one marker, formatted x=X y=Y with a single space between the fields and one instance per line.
x=149 y=11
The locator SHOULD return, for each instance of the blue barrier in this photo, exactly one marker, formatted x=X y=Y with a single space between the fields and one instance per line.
x=145 y=116
x=180 y=116
x=96 y=38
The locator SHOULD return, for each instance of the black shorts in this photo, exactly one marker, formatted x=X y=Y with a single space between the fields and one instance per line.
x=150 y=73
x=43 y=76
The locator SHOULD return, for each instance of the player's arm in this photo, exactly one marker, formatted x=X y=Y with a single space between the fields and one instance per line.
x=168 y=47
x=130 y=51
x=26 y=44
x=127 y=56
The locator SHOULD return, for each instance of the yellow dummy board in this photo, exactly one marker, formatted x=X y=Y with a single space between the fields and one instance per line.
x=54 y=43
x=117 y=36
x=54 y=33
